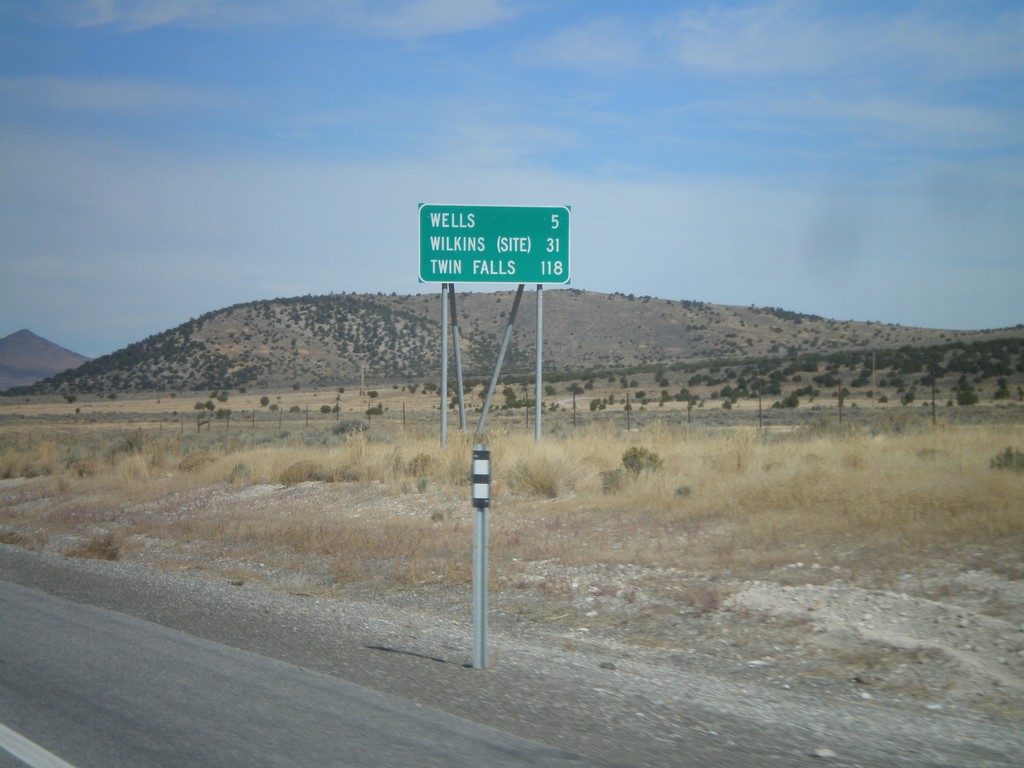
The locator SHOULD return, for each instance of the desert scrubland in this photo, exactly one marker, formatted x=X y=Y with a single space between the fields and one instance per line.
x=883 y=552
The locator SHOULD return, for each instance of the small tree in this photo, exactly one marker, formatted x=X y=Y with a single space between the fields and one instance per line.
x=792 y=400
x=1009 y=459
x=511 y=398
x=637 y=460
x=966 y=396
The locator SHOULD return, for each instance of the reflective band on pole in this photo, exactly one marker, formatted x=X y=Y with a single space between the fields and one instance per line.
x=481 y=477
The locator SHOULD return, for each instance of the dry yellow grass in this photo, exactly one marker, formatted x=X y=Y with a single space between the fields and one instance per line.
x=867 y=501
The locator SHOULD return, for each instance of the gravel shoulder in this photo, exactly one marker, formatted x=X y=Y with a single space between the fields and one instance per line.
x=759 y=682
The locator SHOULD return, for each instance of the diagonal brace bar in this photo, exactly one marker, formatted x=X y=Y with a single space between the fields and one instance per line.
x=501 y=359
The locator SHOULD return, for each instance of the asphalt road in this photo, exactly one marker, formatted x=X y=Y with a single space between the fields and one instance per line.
x=100 y=688
x=239 y=642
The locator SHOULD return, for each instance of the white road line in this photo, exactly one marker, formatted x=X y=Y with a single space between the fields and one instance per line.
x=27 y=751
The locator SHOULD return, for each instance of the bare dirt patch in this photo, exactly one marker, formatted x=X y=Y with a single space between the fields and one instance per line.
x=947 y=652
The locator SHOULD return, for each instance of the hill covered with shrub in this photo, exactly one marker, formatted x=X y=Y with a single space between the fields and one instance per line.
x=332 y=340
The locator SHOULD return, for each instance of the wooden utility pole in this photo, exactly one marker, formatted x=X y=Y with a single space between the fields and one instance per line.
x=933 y=367
x=758 y=403
x=872 y=378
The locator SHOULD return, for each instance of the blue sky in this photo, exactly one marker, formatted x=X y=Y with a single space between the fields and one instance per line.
x=162 y=159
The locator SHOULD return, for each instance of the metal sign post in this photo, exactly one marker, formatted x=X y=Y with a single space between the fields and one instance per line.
x=481 y=505
x=444 y=364
x=540 y=368
x=457 y=348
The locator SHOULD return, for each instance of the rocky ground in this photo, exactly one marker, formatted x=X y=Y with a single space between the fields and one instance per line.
x=799 y=667
x=960 y=649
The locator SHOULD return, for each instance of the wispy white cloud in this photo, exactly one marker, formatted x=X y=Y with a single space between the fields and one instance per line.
x=388 y=18
x=922 y=124
x=107 y=94
x=809 y=37
x=880 y=119
x=424 y=18
x=880 y=76
x=757 y=39
x=929 y=40
x=604 y=44
x=129 y=15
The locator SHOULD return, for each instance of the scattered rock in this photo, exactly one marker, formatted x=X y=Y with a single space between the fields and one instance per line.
x=908 y=643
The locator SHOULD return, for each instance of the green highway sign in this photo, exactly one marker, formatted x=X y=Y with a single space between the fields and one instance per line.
x=494 y=244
